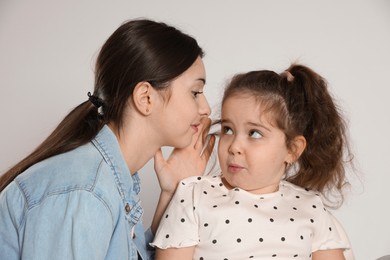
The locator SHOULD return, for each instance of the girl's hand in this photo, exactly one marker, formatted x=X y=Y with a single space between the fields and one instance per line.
x=184 y=162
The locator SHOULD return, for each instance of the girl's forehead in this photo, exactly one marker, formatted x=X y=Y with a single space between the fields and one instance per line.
x=258 y=107
x=250 y=100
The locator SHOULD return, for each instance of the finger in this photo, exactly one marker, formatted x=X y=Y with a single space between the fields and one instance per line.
x=208 y=148
x=158 y=160
x=195 y=137
x=204 y=128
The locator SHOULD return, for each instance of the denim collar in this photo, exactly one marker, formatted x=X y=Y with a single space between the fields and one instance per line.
x=128 y=184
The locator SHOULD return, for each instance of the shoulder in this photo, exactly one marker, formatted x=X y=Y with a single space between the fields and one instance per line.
x=78 y=169
x=297 y=193
x=197 y=185
x=17 y=206
x=12 y=204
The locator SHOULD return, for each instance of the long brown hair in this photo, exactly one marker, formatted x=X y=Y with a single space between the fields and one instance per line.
x=139 y=50
x=301 y=104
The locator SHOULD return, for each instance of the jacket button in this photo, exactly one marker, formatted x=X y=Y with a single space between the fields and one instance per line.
x=132 y=233
x=127 y=208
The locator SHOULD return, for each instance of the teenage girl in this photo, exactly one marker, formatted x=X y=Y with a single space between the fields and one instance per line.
x=77 y=195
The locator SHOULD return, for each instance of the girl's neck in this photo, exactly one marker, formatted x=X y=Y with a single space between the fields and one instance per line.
x=271 y=188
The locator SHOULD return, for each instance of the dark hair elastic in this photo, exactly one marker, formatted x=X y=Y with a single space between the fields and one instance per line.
x=97 y=102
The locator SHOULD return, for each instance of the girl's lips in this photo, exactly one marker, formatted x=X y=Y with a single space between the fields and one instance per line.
x=235 y=167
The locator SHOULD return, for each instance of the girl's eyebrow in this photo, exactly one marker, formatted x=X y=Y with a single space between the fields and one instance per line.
x=251 y=124
x=258 y=125
x=224 y=121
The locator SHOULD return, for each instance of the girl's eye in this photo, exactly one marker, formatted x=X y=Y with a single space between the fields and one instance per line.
x=255 y=134
x=196 y=93
x=227 y=130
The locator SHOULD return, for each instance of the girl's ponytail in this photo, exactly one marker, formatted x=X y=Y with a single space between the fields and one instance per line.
x=314 y=114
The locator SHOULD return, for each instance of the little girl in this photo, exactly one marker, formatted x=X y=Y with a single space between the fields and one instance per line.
x=281 y=151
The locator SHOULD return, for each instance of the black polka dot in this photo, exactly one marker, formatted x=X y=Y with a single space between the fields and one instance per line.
x=314 y=206
x=256 y=206
x=221 y=184
x=261 y=239
x=291 y=219
x=215 y=206
x=204 y=192
x=200 y=258
x=238 y=240
x=236 y=189
x=205 y=224
x=283 y=239
x=237 y=202
x=274 y=255
x=199 y=178
x=301 y=237
x=212 y=186
x=227 y=221
x=214 y=241
x=297 y=197
x=249 y=220
x=275 y=207
x=182 y=220
x=294 y=208
x=271 y=219
x=167 y=236
x=330 y=228
x=251 y=256
x=312 y=220
x=166 y=216
x=295 y=255
x=182 y=201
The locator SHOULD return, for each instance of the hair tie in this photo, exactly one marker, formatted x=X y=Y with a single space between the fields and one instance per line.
x=97 y=102
x=289 y=76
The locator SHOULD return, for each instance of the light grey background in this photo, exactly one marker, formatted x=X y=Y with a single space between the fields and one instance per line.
x=48 y=48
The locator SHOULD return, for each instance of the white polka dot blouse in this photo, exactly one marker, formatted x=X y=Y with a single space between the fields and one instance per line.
x=235 y=224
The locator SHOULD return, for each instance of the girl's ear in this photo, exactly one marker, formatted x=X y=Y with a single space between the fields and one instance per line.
x=142 y=97
x=298 y=145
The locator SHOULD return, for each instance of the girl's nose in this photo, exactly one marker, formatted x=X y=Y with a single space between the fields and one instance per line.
x=235 y=147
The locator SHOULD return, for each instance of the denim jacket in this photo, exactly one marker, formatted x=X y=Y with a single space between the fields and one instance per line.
x=82 y=204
